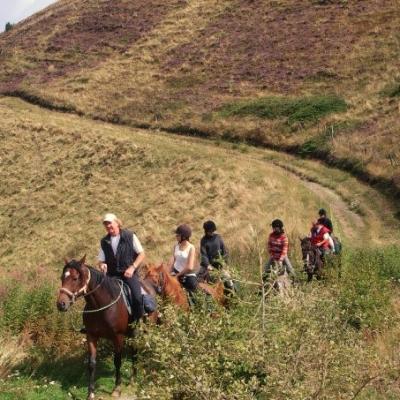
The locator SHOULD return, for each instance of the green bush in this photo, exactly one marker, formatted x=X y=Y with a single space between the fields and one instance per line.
x=364 y=295
x=294 y=110
x=314 y=336
x=391 y=90
x=26 y=306
x=9 y=26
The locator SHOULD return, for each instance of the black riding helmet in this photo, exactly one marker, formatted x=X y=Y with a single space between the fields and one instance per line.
x=277 y=223
x=209 y=226
x=184 y=230
x=322 y=212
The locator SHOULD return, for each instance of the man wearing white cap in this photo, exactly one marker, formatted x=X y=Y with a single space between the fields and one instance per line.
x=120 y=255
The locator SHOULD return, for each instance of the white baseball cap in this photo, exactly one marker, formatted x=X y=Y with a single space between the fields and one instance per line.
x=109 y=217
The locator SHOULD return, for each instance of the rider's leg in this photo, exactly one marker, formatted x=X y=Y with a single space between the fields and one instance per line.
x=189 y=282
x=136 y=296
x=289 y=268
x=149 y=303
x=203 y=274
x=267 y=269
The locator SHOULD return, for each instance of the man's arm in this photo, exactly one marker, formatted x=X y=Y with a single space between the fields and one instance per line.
x=102 y=261
x=204 y=260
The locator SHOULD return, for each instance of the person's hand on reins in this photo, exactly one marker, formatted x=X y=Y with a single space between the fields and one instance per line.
x=103 y=268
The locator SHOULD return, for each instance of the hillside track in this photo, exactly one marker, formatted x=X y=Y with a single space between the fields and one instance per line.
x=330 y=188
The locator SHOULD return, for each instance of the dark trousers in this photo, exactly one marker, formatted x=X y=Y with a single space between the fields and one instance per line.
x=189 y=283
x=136 y=295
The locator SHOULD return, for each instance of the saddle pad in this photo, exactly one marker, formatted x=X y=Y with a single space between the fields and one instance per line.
x=126 y=295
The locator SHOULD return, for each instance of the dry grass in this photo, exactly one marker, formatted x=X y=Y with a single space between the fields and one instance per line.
x=190 y=58
x=67 y=171
x=12 y=352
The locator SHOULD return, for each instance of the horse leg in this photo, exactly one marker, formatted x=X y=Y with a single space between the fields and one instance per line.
x=309 y=276
x=92 y=350
x=118 y=345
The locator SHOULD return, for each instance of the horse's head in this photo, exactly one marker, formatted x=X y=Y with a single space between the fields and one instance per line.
x=74 y=282
x=309 y=254
x=156 y=277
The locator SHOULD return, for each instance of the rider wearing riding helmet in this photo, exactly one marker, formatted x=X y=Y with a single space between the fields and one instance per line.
x=182 y=261
x=277 y=247
x=213 y=254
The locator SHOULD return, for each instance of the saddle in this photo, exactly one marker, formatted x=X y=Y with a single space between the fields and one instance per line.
x=148 y=302
x=127 y=296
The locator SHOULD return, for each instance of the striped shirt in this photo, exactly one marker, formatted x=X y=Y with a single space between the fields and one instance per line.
x=278 y=245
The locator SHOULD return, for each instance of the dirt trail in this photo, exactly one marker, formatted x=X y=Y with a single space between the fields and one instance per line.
x=354 y=227
x=350 y=221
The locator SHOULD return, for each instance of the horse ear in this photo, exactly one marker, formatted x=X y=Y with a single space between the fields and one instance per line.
x=82 y=260
x=66 y=261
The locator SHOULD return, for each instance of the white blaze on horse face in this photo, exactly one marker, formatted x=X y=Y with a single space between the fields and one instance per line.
x=67 y=274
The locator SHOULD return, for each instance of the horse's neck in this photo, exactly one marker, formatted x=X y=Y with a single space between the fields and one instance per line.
x=171 y=285
x=97 y=294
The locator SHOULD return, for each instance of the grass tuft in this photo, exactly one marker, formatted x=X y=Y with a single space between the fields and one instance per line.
x=294 y=110
x=391 y=90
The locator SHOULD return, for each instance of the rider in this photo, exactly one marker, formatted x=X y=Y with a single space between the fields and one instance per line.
x=277 y=247
x=182 y=261
x=213 y=254
x=120 y=255
x=322 y=238
x=325 y=220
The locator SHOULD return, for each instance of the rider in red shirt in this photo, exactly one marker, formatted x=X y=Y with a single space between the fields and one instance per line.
x=278 y=248
x=322 y=238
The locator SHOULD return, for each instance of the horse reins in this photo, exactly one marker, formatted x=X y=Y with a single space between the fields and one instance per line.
x=82 y=292
x=309 y=264
x=161 y=283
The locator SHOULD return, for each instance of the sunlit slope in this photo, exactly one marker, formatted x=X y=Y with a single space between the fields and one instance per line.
x=59 y=174
x=176 y=63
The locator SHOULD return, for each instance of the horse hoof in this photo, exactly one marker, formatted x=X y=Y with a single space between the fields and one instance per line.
x=116 y=392
x=90 y=396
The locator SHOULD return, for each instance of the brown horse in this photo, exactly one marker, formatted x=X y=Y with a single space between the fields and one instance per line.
x=105 y=314
x=169 y=287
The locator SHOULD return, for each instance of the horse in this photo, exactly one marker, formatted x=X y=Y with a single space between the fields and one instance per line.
x=277 y=279
x=169 y=287
x=105 y=314
x=313 y=262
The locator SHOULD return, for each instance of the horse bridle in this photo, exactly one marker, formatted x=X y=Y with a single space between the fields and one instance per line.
x=82 y=292
x=161 y=283
x=310 y=264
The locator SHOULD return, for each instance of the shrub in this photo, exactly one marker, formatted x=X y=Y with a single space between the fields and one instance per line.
x=294 y=110
x=391 y=90
x=364 y=297
x=9 y=26
x=26 y=306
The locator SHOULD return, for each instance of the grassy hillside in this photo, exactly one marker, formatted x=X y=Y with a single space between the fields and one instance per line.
x=60 y=173
x=183 y=65
x=312 y=77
